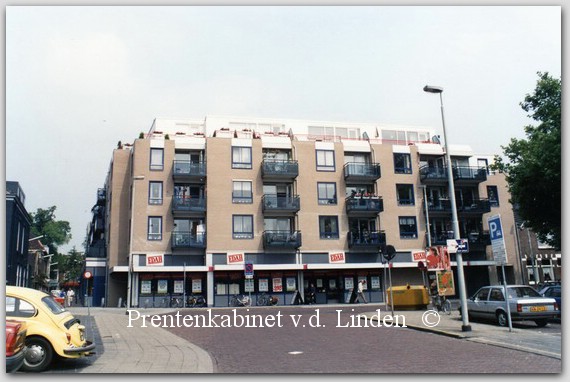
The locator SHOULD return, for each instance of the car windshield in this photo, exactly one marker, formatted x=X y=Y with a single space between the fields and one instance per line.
x=518 y=292
x=53 y=305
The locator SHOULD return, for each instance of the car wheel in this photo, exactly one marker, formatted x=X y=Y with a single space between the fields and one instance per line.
x=541 y=323
x=502 y=318
x=39 y=354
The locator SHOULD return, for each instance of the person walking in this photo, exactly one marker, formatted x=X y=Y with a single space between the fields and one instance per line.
x=360 y=295
x=70 y=294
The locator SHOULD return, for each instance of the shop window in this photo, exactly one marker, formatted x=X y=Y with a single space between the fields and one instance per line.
x=325 y=160
x=243 y=226
x=408 y=227
x=326 y=193
x=241 y=157
x=156 y=159
x=328 y=227
x=405 y=194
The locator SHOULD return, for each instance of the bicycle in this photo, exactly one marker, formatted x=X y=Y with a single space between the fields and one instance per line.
x=240 y=300
x=176 y=302
x=264 y=299
x=442 y=304
x=196 y=301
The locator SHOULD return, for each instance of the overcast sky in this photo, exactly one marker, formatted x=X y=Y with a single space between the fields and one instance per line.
x=80 y=79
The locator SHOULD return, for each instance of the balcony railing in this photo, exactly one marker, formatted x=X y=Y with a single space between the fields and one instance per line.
x=366 y=240
x=189 y=169
x=461 y=174
x=279 y=169
x=274 y=203
x=364 y=205
x=477 y=240
x=282 y=239
x=188 y=205
x=475 y=207
x=188 y=240
x=361 y=172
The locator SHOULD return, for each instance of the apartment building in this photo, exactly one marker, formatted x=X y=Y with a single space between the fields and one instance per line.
x=189 y=203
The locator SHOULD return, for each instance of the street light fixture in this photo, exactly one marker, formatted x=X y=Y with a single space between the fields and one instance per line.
x=129 y=271
x=459 y=257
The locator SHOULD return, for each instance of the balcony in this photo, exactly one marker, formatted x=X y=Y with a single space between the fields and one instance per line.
x=474 y=208
x=366 y=241
x=188 y=240
x=101 y=196
x=279 y=169
x=187 y=171
x=282 y=240
x=364 y=206
x=361 y=172
x=478 y=241
x=280 y=204
x=188 y=206
x=461 y=175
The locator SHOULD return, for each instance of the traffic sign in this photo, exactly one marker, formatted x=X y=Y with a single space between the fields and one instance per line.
x=458 y=246
x=248 y=270
x=87 y=275
x=497 y=239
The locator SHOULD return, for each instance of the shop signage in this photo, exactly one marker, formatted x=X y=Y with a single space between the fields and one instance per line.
x=348 y=283
x=291 y=284
x=277 y=284
x=248 y=285
x=145 y=287
x=235 y=258
x=263 y=285
x=196 y=285
x=336 y=258
x=419 y=256
x=178 y=286
x=155 y=260
x=162 y=286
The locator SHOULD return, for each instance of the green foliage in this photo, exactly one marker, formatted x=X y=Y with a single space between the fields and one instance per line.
x=71 y=265
x=55 y=232
x=141 y=135
x=533 y=169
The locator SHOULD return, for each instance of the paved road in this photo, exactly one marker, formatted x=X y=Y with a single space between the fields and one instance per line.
x=334 y=349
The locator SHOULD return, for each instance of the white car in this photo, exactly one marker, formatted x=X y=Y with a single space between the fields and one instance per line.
x=525 y=303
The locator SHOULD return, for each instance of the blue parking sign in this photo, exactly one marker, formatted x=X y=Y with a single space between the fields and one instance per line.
x=497 y=239
x=495 y=227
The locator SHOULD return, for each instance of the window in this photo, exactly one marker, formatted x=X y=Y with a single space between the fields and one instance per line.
x=242 y=192
x=325 y=160
x=482 y=295
x=155 y=193
x=402 y=163
x=19 y=308
x=157 y=159
x=405 y=194
x=493 y=195
x=241 y=157
x=243 y=226
x=154 y=228
x=328 y=227
x=496 y=295
x=483 y=163
x=408 y=227
x=326 y=193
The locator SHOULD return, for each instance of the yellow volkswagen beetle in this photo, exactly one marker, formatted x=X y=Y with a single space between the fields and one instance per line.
x=52 y=330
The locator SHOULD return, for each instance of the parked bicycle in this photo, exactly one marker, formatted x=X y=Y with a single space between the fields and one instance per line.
x=264 y=299
x=195 y=301
x=240 y=300
x=176 y=302
x=441 y=303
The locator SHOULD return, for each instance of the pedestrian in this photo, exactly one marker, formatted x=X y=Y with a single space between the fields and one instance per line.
x=312 y=298
x=70 y=294
x=360 y=295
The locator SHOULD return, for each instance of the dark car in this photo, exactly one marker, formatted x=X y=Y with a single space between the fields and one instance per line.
x=525 y=304
x=553 y=291
x=15 y=345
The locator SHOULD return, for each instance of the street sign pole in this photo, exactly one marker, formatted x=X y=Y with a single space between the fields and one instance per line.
x=500 y=255
x=507 y=298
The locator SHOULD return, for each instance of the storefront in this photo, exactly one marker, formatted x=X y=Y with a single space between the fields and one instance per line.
x=166 y=290
x=335 y=287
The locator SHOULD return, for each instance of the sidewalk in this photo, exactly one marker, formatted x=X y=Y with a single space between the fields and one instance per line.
x=531 y=340
x=139 y=350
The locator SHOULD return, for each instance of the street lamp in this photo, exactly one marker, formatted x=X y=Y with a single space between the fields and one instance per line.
x=459 y=257
x=129 y=271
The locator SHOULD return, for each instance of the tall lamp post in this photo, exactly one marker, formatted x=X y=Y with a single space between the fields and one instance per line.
x=129 y=271
x=459 y=257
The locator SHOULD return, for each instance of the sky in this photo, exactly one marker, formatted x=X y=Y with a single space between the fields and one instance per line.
x=80 y=79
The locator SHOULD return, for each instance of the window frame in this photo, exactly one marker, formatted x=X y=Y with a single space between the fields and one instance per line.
x=324 y=235
x=242 y=165
x=151 y=235
x=155 y=201
x=412 y=201
x=408 y=235
x=242 y=235
x=493 y=202
x=326 y=200
x=242 y=199
x=156 y=166
x=406 y=169
x=325 y=167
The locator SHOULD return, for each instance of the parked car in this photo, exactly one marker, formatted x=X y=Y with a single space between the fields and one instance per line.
x=525 y=304
x=15 y=345
x=56 y=294
x=554 y=291
x=52 y=331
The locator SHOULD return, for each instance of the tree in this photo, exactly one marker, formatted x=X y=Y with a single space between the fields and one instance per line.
x=71 y=265
x=54 y=232
x=533 y=170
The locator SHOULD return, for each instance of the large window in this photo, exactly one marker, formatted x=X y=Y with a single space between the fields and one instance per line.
x=154 y=228
x=155 y=193
x=157 y=159
x=242 y=192
x=493 y=195
x=405 y=194
x=325 y=160
x=241 y=157
x=402 y=163
x=243 y=226
x=326 y=193
x=408 y=227
x=328 y=227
